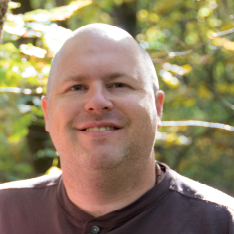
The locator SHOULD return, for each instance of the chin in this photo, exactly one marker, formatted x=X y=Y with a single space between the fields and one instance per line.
x=105 y=161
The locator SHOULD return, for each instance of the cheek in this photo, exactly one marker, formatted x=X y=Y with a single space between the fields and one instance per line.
x=149 y=113
x=63 y=110
x=142 y=111
x=148 y=105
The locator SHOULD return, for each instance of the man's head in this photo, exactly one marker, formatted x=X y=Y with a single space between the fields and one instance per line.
x=114 y=34
x=103 y=106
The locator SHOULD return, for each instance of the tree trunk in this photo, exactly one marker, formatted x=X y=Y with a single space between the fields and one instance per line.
x=25 y=7
x=126 y=16
x=3 y=11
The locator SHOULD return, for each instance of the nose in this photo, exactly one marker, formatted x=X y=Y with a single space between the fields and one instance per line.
x=97 y=101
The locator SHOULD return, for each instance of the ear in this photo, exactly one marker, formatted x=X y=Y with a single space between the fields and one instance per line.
x=159 y=99
x=44 y=103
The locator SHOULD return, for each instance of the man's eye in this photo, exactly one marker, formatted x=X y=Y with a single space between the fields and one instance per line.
x=119 y=85
x=77 y=87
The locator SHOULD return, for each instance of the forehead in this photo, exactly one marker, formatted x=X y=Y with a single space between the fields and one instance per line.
x=87 y=44
x=93 y=55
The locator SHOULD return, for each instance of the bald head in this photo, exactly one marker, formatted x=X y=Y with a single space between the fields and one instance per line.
x=96 y=35
x=103 y=31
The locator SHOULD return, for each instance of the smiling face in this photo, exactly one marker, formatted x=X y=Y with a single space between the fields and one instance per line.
x=101 y=110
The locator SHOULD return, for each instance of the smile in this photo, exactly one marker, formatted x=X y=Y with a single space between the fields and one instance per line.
x=99 y=129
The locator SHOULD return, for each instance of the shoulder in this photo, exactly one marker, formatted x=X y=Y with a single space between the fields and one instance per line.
x=30 y=184
x=196 y=190
x=21 y=196
x=32 y=200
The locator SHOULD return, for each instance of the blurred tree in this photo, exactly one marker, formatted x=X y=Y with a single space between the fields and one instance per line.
x=187 y=41
x=3 y=10
x=190 y=43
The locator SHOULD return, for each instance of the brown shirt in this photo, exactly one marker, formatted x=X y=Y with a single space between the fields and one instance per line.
x=177 y=205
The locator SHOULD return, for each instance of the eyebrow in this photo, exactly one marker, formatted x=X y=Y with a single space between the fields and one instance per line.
x=111 y=76
x=116 y=75
x=79 y=78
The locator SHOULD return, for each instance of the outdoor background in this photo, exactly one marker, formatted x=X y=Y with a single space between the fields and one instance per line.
x=191 y=44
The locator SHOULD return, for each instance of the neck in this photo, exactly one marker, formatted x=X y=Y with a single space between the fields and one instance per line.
x=100 y=192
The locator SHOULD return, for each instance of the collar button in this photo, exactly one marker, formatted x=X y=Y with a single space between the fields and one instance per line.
x=95 y=229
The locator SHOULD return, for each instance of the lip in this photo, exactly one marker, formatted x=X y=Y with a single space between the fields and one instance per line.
x=99 y=133
x=100 y=124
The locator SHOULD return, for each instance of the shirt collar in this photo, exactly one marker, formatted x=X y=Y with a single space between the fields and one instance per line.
x=147 y=200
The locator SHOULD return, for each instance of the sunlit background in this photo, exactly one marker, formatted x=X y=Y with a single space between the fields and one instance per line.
x=191 y=44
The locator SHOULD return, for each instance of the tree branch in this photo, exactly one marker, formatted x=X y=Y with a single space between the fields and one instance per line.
x=198 y=123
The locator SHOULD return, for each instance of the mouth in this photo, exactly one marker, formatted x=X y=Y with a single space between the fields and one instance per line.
x=100 y=129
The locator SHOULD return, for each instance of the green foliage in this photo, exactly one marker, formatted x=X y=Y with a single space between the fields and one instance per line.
x=191 y=48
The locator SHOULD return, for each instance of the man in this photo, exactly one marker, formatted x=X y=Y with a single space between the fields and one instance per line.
x=103 y=108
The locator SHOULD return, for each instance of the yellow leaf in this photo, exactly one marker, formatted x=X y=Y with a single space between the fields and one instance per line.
x=187 y=68
x=8 y=47
x=223 y=88
x=58 y=13
x=203 y=91
x=81 y=3
x=65 y=12
x=189 y=102
x=228 y=45
x=38 y=15
x=29 y=49
x=231 y=89
x=53 y=171
x=204 y=12
x=19 y=31
x=219 y=41
x=171 y=137
x=62 y=13
x=14 y=5
x=182 y=128
x=154 y=17
x=142 y=14
x=169 y=79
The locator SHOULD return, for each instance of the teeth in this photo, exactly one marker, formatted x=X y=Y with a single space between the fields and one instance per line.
x=96 y=129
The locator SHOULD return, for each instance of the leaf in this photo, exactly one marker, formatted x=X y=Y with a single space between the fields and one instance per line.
x=55 y=14
x=19 y=129
x=19 y=31
x=169 y=79
x=9 y=47
x=38 y=15
x=204 y=12
x=31 y=50
x=65 y=12
x=55 y=36
x=14 y=5
x=81 y=3
x=228 y=45
x=53 y=171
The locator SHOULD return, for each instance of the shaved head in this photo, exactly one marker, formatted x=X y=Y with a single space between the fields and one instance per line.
x=94 y=33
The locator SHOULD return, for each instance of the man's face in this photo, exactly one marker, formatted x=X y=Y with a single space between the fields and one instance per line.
x=101 y=110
